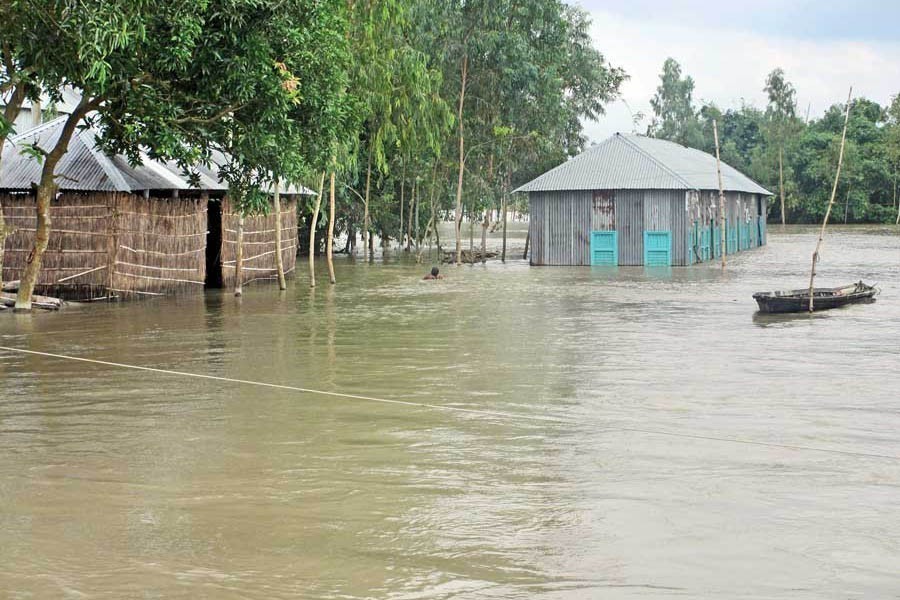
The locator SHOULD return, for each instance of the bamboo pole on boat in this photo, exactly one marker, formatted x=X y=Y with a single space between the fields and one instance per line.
x=837 y=176
x=722 y=229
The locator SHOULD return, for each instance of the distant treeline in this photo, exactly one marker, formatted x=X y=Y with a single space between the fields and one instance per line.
x=779 y=147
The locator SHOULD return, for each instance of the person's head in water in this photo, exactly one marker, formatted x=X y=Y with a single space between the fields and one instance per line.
x=434 y=271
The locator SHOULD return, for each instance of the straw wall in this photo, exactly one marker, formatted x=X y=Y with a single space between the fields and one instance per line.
x=158 y=245
x=74 y=265
x=259 y=243
x=99 y=241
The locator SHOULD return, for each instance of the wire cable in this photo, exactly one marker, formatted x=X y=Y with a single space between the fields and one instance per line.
x=457 y=409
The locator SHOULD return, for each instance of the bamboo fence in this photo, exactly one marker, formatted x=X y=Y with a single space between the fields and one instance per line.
x=104 y=244
x=259 y=243
x=157 y=245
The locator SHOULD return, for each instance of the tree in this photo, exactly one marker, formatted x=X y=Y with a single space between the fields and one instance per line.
x=781 y=120
x=257 y=79
x=893 y=148
x=520 y=76
x=675 y=118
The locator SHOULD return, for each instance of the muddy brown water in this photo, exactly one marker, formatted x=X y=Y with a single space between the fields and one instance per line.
x=124 y=484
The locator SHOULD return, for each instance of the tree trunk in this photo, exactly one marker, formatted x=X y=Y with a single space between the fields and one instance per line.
x=484 y=227
x=402 y=200
x=837 y=177
x=350 y=244
x=781 y=182
x=366 y=238
x=45 y=192
x=239 y=256
x=462 y=157
x=504 y=202
x=279 y=261
x=436 y=215
x=412 y=201
x=847 y=205
x=895 y=197
x=471 y=239
x=416 y=192
x=312 y=232
x=429 y=227
x=329 y=250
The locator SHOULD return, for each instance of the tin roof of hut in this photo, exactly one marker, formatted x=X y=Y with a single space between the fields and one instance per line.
x=637 y=162
x=86 y=168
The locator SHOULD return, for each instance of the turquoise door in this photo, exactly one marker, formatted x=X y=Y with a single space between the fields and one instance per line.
x=604 y=248
x=657 y=248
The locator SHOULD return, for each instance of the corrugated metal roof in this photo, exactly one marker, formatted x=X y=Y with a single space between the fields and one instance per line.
x=85 y=168
x=635 y=162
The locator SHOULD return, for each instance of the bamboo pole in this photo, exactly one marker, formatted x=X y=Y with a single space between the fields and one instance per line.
x=416 y=193
x=402 y=199
x=312 y=233
x=329 y=250
x=409 y=220
x=365 y=231
x=239 y=256
x=462 y=157
x=722 y=230
x=781 y=180
x=505 y=202
x=895 y=197
x=837 y=176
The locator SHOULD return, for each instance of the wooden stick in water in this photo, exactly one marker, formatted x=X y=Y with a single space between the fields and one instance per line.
x=837 y=176
x=722 y=245
x=312 y=232
x=329 y=251
x=279 y=261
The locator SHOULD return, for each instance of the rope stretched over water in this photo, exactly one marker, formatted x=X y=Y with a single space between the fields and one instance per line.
x=290 y=388
x=457 y=409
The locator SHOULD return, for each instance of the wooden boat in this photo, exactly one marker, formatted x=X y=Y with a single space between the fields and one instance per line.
x=823 y=298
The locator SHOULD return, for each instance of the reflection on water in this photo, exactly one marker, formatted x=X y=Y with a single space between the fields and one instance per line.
x=118 y=484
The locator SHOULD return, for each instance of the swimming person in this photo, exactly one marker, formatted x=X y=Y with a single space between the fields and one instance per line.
x=435 y=274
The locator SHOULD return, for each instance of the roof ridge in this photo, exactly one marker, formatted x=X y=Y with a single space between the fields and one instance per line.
x=36 y=130
x=663 y=165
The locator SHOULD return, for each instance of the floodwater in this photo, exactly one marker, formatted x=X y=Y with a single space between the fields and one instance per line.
x=591 y=472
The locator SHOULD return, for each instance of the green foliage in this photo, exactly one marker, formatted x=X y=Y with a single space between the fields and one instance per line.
x=752 y=139
x=675 y=118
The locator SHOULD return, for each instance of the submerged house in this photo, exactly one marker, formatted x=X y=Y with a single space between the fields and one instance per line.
x=633 y=200
x=119 y=230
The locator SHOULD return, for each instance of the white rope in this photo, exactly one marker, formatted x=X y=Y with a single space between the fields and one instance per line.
x=457 y=409
x=287 y=387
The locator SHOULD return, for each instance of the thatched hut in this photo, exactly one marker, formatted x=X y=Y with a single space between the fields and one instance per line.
x=130 y=231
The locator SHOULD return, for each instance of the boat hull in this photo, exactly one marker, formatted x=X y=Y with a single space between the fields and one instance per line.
x=793 y=301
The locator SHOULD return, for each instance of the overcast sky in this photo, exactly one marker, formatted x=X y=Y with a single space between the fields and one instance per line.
x=730 y=47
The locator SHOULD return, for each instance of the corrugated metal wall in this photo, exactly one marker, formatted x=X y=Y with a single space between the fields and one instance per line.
x=630 y=225
x=561 y=228
x=561 y=222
